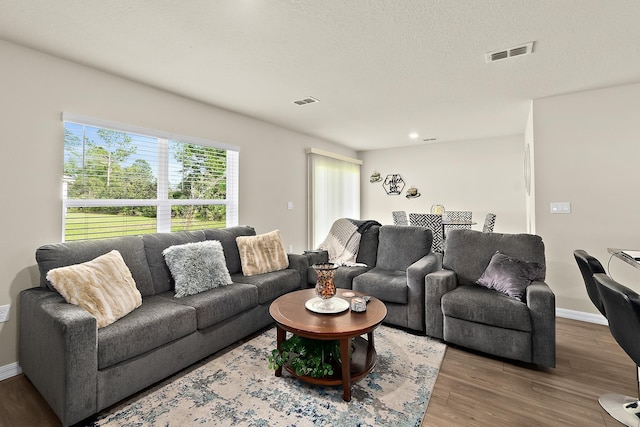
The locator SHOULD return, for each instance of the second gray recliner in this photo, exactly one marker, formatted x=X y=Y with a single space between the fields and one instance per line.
x=404 y=258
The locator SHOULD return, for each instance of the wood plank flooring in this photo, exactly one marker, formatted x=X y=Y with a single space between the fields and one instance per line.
x=471 y=389
x=476 y=390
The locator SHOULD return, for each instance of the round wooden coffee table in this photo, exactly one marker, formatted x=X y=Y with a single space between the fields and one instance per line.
x=291 y=315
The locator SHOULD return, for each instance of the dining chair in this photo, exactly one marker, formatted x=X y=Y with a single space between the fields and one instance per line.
x=489 y=223
x=434 y=223
x=399 y=218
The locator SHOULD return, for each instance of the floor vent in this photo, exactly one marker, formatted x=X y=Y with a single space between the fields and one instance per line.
x=305 y=101
x=511 y=52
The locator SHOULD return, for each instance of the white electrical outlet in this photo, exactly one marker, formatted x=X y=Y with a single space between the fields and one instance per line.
x=4 y=312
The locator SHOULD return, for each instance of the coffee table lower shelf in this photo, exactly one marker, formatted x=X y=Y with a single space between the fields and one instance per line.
x=363 y=360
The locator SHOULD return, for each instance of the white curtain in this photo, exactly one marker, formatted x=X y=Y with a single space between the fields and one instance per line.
x=334 y=192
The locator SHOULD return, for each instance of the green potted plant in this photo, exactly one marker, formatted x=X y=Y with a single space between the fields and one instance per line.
x=314 y=358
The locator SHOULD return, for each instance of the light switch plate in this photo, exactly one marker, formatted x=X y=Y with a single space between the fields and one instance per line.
x=4 y=312
x=560 y=207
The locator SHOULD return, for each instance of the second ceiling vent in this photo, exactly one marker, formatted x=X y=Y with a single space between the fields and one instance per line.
x=524 y=49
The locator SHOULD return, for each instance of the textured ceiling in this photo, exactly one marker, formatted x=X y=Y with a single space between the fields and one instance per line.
x=381 y=69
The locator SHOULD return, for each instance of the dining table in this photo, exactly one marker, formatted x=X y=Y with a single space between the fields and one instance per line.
x=448 y=222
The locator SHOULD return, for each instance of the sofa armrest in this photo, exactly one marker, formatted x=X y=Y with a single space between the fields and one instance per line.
x=58 y=352
x=437 y=284
x=416 y=273
x=542 y=307
x=299 y=263
x=317 y=257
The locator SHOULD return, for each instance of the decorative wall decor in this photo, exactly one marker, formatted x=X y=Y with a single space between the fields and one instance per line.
x=412 y=193
x=375 y=177
x=393 y=184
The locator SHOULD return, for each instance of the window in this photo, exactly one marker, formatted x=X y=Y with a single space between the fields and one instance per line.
x=334 y=191
x=121 y=180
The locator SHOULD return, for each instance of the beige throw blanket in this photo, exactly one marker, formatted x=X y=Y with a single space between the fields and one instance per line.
x=343 y=241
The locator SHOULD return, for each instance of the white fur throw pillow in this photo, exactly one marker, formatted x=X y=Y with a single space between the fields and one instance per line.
x=262 y=253
x=103 y=286
x=197 y=267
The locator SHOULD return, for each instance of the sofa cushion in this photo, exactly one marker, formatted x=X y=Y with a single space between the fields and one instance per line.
x=156 y=322
x=103 y=286
x=271 y=285
x=67 y=253
x=481 y=305
x=386 y=285
x=154 y=244
x=263 y=253
x=197 y=267
x=509 y=275
x=401 y=246
x=227 y=237
x=218 y=304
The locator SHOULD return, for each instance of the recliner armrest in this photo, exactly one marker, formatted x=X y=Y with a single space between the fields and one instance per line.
x=317 y=257
x=416 y=273
x=437 y=284
x=542 y=306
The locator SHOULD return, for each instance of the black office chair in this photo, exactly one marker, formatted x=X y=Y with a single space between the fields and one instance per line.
x=623 y=307
x=588 y=267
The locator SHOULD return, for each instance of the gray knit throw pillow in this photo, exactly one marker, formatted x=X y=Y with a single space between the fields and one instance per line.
x=197 y=267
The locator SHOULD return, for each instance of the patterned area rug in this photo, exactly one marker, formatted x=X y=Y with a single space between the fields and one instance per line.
x=237 y=388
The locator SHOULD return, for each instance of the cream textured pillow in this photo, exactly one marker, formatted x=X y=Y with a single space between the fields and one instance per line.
x=103 y=286
x=262 y=253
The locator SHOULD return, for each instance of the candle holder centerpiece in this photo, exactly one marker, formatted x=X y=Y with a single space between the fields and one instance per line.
x=325 y=286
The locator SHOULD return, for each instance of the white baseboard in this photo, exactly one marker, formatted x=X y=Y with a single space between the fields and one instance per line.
x=10 y=370
x=582 y=316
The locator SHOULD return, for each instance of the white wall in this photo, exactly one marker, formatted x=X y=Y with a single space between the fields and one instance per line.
x=482 y=176
x=36 y=88
x=587 y=152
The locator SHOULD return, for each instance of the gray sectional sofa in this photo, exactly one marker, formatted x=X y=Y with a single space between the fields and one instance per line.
x=80 y=369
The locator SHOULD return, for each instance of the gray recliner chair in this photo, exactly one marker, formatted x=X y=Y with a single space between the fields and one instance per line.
x=404 y=258
x=462 y=312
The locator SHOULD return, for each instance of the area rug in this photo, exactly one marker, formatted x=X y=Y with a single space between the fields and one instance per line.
x=236 y=388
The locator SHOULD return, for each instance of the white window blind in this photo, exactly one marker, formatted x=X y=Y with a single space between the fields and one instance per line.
x=121 y=180
x=334 y=191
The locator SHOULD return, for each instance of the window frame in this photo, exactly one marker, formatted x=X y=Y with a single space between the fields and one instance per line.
x=162 y=202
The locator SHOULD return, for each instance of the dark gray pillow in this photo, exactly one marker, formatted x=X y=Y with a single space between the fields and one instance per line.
x=197 y=267
x=509 y=275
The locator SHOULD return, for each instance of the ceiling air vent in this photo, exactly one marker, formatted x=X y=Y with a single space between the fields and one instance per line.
x=524 y=49
x=305 y=101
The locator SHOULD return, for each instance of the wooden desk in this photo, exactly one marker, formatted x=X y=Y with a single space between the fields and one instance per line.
x=618 y=253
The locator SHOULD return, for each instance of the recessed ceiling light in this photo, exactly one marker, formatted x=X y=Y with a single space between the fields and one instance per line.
x=413 y=135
